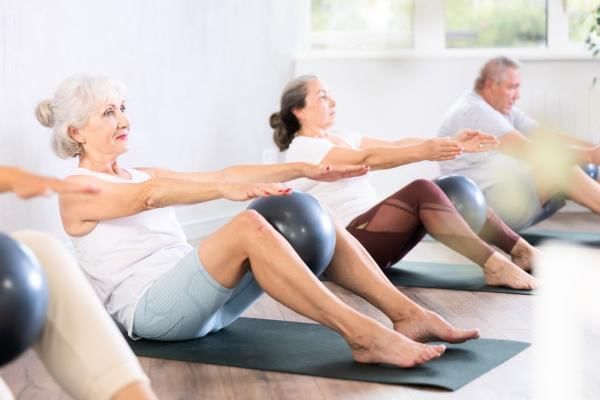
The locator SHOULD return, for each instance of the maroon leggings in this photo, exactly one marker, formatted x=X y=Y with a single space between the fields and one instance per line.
x=393 y=227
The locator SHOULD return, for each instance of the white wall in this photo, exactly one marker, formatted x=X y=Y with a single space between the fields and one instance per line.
x=405 y=96
x=202 y=79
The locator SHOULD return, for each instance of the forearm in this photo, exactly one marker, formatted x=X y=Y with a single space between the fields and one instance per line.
x=7 y=178
x=164 y=192
x=571 y=140
x=264 y=173
x=536 y=152
x=408 y=142
x=389 y=157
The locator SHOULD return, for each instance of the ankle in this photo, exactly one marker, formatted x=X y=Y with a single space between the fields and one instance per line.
x=519 y=247
x=409 y=314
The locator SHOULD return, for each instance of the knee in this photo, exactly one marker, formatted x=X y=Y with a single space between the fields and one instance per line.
x=253 y=223
x=36 y=241
x=427 y=188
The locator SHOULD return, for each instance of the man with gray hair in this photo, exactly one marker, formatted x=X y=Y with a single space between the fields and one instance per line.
x=514 y=186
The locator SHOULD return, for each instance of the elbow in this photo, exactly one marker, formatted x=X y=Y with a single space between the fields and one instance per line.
x=150 y=195
x=374 y=162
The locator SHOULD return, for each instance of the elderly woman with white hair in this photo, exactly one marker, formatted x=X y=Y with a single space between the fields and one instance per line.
x=157 y=286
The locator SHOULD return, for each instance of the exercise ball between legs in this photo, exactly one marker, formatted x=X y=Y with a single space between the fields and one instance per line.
x=591 y=170
x=304 y=223
x=467 y=198
x=23 y=299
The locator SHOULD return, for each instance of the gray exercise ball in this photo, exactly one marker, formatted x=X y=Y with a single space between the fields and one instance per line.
x=301 y=220
x=23 y=299
x=467 y=198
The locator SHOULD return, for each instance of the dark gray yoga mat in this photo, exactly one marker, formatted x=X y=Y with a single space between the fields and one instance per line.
x=536 y=236
x=443 y=276
x=311 y=349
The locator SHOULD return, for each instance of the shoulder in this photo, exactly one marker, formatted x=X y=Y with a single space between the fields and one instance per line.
x=353 y=138
x=307 y=149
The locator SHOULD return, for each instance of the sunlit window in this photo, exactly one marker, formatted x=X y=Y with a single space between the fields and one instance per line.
x=495 y=23
x=581 y=15
x=362 y=24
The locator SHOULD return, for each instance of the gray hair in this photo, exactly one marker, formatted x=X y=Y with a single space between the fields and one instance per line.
x=284 y=122
x=494 y=70
x=75 y=101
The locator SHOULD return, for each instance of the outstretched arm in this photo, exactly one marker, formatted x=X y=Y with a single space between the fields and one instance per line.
x=26 y=185
x=266 y=173
x=516 y=144
x=470 y=140
x=80 y=212
x=390 y=156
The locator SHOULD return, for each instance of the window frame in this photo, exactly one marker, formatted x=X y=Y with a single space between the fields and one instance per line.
x=429 y=39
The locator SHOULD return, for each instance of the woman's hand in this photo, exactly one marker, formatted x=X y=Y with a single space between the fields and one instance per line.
x=475 y=141
x=330 y=173
x=241 y=191
x=27 y=185
x=441 y=149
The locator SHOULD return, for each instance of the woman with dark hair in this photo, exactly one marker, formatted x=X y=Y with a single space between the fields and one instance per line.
x=390 y=228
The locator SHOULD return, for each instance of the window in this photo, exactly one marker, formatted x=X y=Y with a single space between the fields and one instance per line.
x=361 y=24
x=580 y=14
x=495 y=23
x=552 y=27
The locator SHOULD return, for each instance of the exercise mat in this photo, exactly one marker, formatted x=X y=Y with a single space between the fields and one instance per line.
x=444 y=276
x=536 y=236
x=311 y=349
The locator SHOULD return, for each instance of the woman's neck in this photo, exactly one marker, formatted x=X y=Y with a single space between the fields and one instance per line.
x=109 y=167
x=313 y=132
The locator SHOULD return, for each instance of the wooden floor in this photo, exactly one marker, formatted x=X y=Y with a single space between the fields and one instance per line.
x=502 y=316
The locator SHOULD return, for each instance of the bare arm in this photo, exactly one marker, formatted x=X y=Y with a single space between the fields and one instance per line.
x=26 y=185
x=265 y=173
x=393 y=156
x=515 y=144
x=471 y=141
x=81 y=212
x=368 y=142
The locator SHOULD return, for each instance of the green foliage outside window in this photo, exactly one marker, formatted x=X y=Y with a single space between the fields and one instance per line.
x=492 y=23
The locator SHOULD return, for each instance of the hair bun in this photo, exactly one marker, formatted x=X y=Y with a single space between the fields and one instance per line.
x=45 y=114
x=275 y=120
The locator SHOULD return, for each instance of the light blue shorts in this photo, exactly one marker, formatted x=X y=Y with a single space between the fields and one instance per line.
x=187 y=302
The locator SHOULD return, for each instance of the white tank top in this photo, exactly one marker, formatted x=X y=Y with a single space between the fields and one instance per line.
x=124 y=256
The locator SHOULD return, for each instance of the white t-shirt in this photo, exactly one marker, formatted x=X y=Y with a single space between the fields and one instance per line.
x=347 y=198
x=472 y=111
x=122 y=257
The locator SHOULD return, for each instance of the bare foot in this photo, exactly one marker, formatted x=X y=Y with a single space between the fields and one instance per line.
x=426 y=326
x=380 y=345
x=499 y=271
x=524 y=255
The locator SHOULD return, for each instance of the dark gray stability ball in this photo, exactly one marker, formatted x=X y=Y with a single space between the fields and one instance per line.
x=302 y=221
x=467 y=198
x=23 y=299
x=591 y=170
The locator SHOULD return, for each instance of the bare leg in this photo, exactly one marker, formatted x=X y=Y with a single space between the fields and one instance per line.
x=524 y=255
x=135 y=391
x=283 y=275
x=354 y=269
x=391 y=228
x=583 y=190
